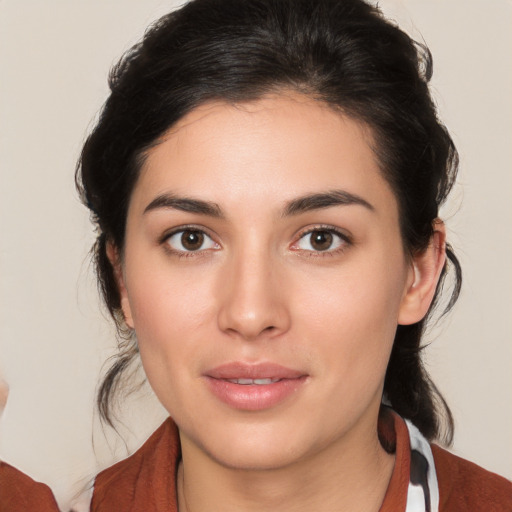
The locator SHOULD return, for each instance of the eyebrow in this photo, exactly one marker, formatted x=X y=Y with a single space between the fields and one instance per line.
x=185 y=204
x=296 y=206
x=324 y=200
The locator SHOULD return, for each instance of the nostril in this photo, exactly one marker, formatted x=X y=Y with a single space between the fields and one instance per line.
x=252 y=333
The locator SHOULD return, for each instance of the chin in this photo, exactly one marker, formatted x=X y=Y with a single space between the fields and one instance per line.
x=255 y=458
x=257 y=446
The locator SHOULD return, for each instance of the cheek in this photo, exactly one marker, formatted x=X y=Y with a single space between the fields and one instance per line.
x=351 y=318
x=164 y=300
x=169 y=311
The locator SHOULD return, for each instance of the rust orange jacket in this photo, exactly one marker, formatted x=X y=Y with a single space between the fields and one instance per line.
x=145 y=482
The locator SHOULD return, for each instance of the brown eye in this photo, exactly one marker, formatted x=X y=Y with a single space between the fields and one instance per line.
x=190 y=240
x=321 y=240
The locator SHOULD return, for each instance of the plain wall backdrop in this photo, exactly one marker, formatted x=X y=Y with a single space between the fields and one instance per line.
x=54 y=60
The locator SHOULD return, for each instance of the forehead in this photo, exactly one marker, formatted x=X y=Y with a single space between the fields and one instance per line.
x=273 y=149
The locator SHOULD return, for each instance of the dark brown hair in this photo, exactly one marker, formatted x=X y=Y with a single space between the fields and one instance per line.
x=341 y=52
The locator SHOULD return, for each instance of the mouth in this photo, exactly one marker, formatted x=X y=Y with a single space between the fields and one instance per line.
x=257 y=382
x=254 y=387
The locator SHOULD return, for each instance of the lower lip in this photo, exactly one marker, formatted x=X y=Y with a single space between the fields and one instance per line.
x=254 y=397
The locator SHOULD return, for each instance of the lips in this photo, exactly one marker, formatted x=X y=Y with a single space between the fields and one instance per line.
x=254 y=387
x=240 y=370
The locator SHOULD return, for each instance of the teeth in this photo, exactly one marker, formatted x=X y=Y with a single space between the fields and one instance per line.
x=263 y=381
x=258 y=382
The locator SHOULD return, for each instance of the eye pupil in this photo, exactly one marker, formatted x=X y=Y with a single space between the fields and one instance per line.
x=321 y=240
x=192 y=240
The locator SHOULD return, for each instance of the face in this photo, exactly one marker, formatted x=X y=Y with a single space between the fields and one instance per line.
x=264 y=275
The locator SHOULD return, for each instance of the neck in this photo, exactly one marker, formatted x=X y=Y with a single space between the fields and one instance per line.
x=351 y=475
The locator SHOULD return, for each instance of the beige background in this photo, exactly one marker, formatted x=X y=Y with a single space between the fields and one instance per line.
x=54 y=59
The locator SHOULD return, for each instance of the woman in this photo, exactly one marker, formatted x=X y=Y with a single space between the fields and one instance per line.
x=266 y=178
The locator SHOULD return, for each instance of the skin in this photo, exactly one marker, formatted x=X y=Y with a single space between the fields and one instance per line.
x=258 y=290
x=4 y=393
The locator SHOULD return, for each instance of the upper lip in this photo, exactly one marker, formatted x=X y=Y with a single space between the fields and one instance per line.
x=242 y=370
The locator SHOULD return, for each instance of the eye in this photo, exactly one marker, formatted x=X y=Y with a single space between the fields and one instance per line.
x=321 y=240
x=190 y=240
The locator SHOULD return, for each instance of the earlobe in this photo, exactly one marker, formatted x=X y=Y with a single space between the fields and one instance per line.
x=115 y=261
x=426 y=268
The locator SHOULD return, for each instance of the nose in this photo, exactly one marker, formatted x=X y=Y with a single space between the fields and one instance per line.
x=252 y=295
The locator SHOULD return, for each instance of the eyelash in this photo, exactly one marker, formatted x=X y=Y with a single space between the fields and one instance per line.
x=344 y=241
x=164 y=240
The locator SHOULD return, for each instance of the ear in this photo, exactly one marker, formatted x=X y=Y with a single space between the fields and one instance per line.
x=426 y=268
x=115 y=261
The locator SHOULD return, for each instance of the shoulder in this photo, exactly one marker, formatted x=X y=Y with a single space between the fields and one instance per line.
x=146 y=477
x=19 y=493
x=466 y=486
